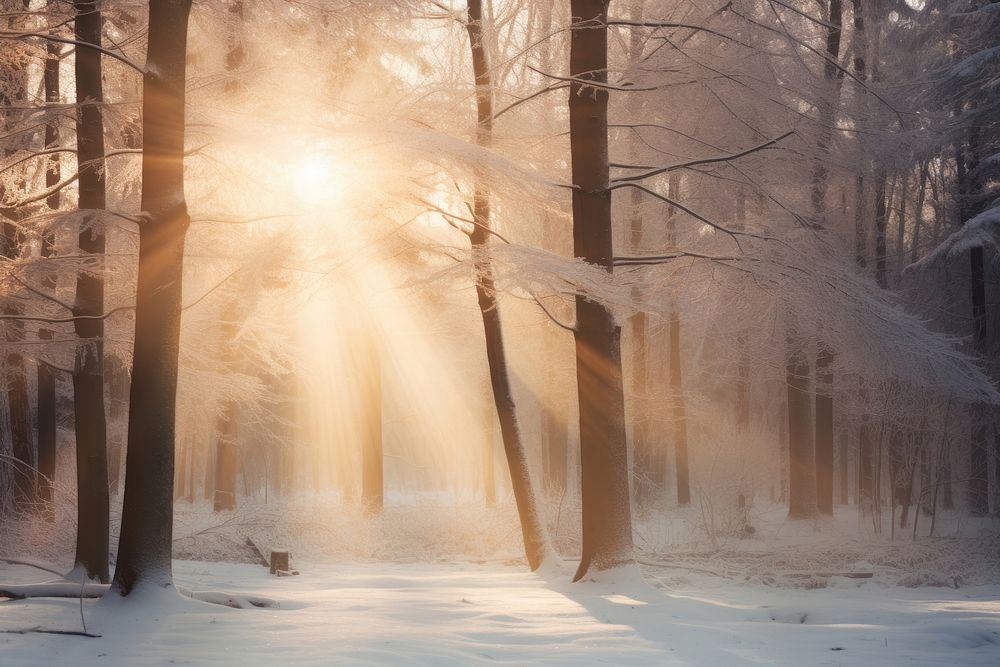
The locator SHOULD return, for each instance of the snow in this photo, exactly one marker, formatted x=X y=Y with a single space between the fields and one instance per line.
x=461 y=613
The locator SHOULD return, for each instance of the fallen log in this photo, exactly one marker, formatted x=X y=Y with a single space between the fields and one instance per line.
x=54 y=589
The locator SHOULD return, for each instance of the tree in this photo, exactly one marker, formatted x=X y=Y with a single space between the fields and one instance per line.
x=532 y=530
x=88 y=372
x=14 y=95
x=46 y=377
x=830 y=101
x=607 y=520
x=144 y=551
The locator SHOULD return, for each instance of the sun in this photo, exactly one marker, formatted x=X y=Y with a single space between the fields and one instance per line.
x=316 y=180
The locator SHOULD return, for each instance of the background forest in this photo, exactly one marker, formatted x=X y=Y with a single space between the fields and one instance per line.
x=693 y=282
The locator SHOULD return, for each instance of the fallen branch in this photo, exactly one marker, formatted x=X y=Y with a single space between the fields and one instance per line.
x=55 y=589
x=75 y=633
x=227 y=600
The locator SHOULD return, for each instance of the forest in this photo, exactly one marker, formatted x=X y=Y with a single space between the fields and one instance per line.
x=449 y=332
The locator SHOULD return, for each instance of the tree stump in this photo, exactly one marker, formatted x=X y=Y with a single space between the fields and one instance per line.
x=279 y=561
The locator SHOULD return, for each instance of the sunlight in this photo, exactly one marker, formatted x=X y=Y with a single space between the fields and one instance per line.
x=316 y=181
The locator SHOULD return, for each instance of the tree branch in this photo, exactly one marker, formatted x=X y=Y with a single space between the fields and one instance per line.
x=620 y=182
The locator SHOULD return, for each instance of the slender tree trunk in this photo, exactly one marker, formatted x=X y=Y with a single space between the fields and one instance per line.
x=23 y=478
x=607 y=521
x=144 y=551
x=901 y=230
x=844 y=467
x=918 y=214
x=679 y=410
x=93 y=505
x=824 y=356
x=372 y=491
x=555 y=461
x=532 y=528
x=866 y=462
x=227 y=449
x=116 y=376
x=881 y=226
x=801 y=445
x=978 y=476
x=824 y=432
x=860 y=48
x=226 y=458
x=46 y=378
x=649 y=488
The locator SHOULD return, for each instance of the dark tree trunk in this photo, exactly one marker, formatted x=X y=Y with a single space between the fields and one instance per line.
x=860 y=229
x=978 y=476
x=801 y=446
x=46 y=379
x=918 y=214
x=88 y=372
x=532 y=528
x=881 y=225
x=144 y=551
x=607 y=521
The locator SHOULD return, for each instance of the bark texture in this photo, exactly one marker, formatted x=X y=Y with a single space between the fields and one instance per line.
x=607 y=521
x=93 y=504
x=144 y=552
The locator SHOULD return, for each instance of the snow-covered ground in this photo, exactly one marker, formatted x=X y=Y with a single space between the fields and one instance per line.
x=463 y=613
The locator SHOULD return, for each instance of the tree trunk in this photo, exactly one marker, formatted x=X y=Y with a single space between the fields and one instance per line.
x=801 y=446
x=93 y=521
x=46 y=378
x=555 y=437
x=607 y=521
x=372 y=484
x=978 y=476
x=532 y=529
x=824 y=357
x=860 y=230
x=824 y=432
x=843 y=467
x=679 y=410
x=144 y=551
x=918 y=214
x=23 y=477
x=226 y=458
x=116 y=376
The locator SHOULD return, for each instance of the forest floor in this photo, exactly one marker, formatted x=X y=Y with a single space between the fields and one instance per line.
x=777 y=595
x=462 y=613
